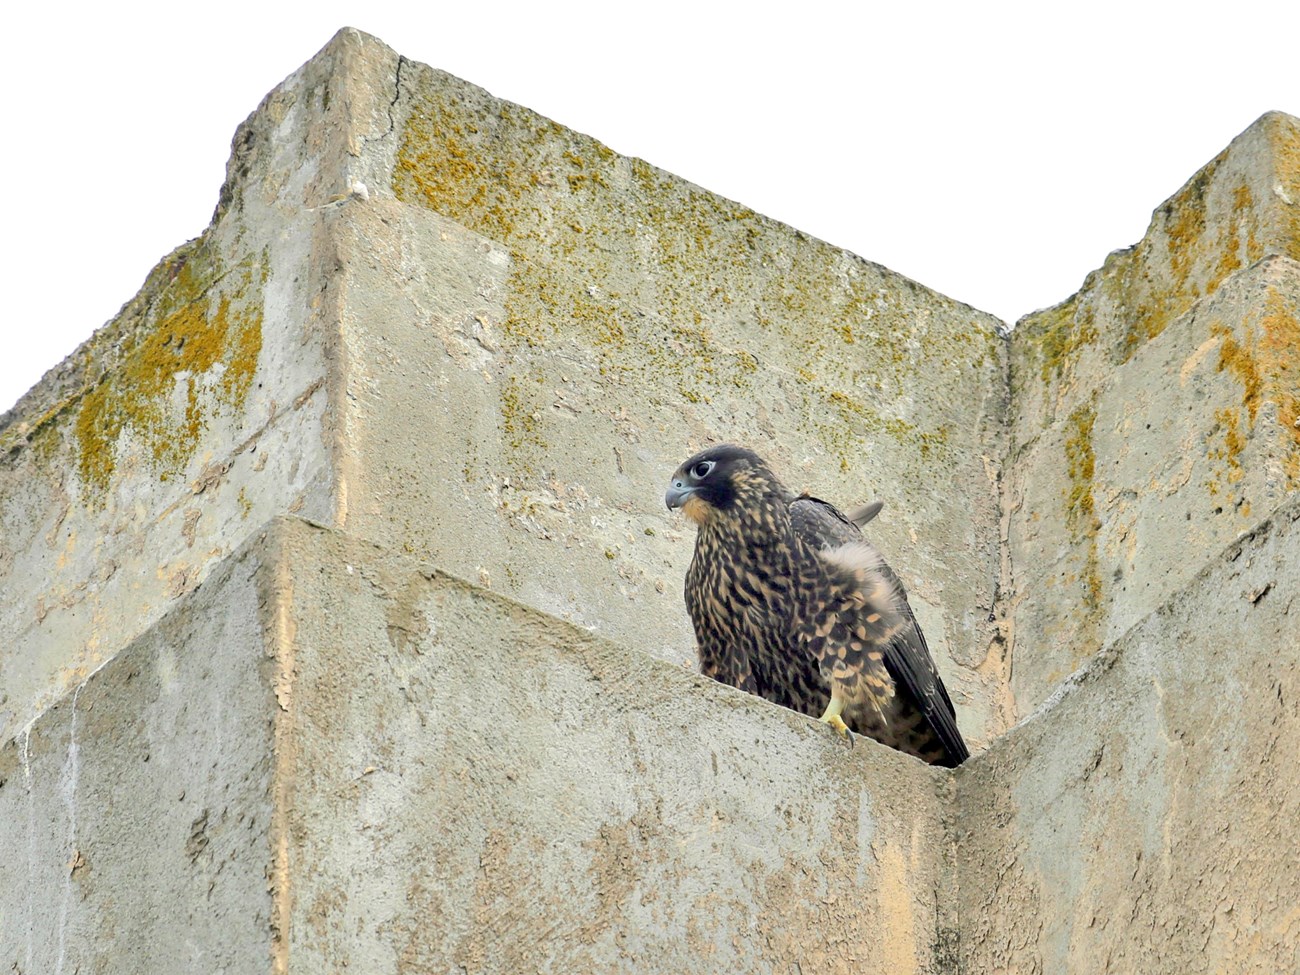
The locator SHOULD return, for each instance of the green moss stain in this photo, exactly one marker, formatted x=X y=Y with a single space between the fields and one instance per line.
x=654 y=276
x=1058 y=334
x=1081 y=464
x=1080 y=503
x=196 y=352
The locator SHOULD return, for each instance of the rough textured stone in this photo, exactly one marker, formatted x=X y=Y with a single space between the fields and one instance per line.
x=480 y=786
x=493 y=358
x=560 y=326
x=184 y=424
x=1156 y=414
x=1240 y=208
x=1145 y=821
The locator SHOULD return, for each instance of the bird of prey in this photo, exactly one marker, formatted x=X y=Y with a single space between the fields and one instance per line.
x=791 y=603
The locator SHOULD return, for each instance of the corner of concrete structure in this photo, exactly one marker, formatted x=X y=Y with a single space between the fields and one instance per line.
x=1162 y=393
x=205 y=407
x=548 y=328
x=1241 y=207
x=1137 y=818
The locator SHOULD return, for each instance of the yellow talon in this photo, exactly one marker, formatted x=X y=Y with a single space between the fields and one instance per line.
x=832 y=718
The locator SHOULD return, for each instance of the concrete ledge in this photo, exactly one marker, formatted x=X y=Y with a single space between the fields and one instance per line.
x=431 y=775
x=479 y=786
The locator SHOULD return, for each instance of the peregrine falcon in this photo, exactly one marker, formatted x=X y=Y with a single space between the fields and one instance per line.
x=791 y=603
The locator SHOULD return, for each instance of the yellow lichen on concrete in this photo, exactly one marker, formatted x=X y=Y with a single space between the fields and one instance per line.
x=1227 y=423
x=521 y=411
x=1214 y=226
x=1058 y=335
x=196 y=331
x=1278 y=359
x=1284 y=143
x=1081 y=461
x=657 y=273
x=1080 y=502
x=1197 y=261
x=1267 y=364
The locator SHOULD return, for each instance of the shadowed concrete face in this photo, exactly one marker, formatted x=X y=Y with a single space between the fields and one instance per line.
x=137 y=810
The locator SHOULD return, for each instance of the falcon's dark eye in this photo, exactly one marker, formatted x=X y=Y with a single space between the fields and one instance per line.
x=701 y=470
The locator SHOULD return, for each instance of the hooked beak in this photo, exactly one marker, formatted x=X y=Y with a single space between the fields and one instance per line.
x=677 y=493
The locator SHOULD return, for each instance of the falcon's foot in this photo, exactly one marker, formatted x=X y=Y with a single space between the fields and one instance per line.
x=832 y=718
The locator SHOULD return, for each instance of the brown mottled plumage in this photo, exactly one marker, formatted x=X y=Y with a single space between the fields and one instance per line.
x=789 y=602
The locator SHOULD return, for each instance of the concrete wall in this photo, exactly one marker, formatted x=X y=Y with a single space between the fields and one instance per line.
x=332 y=757
x=1145 y=821
x=246 y=746
x=548 y=329
x=1155 y=412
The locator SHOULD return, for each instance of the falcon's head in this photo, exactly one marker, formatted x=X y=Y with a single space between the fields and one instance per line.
x=718 y=480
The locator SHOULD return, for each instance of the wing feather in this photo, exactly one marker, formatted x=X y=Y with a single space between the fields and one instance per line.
x=907 y=657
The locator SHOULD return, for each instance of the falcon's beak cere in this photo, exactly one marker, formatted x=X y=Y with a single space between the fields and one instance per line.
x=678 y=493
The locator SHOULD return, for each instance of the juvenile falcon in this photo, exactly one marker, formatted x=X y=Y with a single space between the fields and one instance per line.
x=791 y=603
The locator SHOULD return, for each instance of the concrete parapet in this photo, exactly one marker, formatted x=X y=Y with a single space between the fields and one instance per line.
x=1175 y=453
x=1155 y=415
x=331 y=757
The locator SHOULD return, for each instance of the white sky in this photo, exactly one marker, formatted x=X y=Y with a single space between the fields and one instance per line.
x=993 y=151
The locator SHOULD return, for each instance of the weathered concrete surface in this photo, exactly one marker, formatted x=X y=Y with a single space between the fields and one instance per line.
x=134 y=812
x=1146 y=821
x=493 y=357
x=479 y=786
x=489 y=359
x=178 y=428
x=332 y=758
x=1155 y=415
x=559 y=326
x=1240 y=208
